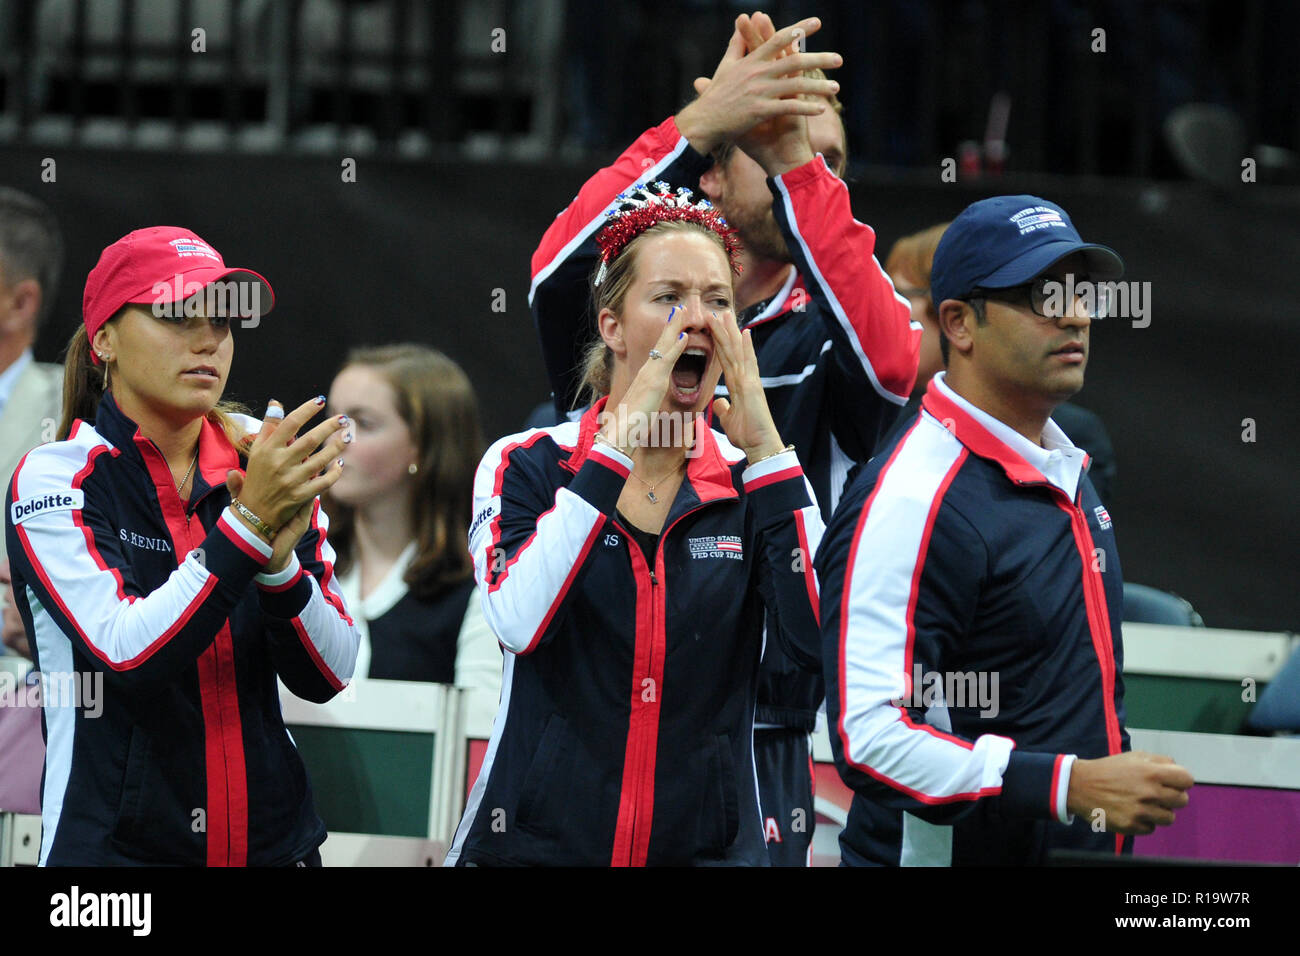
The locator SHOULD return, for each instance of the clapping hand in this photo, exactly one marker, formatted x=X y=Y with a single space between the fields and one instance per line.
x=643 y=398
x=281 y=483
x=759 y=78
x=745 y=417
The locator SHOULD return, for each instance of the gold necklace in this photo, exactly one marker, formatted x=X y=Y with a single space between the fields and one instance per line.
x=188 y=472
x=651 y=485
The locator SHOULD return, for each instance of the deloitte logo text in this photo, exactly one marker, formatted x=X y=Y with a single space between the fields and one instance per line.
x=26 y=508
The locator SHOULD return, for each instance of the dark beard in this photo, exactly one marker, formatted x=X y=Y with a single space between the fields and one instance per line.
x=761 y=237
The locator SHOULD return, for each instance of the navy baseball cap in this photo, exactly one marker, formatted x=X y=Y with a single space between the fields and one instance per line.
x=1008 y=240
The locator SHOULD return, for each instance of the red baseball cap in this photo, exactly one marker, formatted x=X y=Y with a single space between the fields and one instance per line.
x=163 y=266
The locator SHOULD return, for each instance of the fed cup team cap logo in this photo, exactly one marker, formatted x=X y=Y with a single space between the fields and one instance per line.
x=166 y=267
x=1008 y=240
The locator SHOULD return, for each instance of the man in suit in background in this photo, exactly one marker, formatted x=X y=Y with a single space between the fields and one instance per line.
x=31 y=399
x=31 y=392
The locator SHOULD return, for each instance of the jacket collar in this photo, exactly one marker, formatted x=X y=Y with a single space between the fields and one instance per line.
x=781 y=303
x=708 y=473
x=963 y=420
x=216 y=454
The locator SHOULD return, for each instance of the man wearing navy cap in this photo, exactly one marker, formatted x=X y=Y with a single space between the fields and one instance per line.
x=970 y=585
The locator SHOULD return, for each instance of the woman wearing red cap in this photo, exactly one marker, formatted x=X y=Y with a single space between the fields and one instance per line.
x=169 y=607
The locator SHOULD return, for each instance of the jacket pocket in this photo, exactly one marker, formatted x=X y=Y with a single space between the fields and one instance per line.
x=537 y=793
x=157 y=819
x=128 y=808
x=721 y=821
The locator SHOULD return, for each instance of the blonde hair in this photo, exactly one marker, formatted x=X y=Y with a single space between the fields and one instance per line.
x=598 y=359
x=84 y=383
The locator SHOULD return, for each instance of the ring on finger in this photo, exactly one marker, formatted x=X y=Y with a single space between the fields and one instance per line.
x=656 y=354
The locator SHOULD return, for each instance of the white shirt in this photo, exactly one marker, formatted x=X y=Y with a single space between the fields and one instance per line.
x=1058 y=459
x=478 y=653
x=9 y=377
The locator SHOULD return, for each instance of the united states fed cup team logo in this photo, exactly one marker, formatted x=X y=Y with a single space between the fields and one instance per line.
x=726 y=546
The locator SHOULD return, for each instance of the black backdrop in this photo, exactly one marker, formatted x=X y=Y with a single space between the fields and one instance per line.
x=416 y=251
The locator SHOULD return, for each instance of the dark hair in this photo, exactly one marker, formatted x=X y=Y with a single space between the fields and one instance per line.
x=435 y=399
x=84 y=384
x=31 y=245
x=976 y=306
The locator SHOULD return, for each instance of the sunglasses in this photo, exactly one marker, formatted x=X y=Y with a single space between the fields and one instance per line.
x=1045 y=296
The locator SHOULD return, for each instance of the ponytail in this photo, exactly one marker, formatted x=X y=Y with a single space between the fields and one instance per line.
x=83 y=383
x=598 y=370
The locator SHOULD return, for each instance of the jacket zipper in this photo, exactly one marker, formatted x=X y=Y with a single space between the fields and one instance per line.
x=221 y=690
x=644 y=754
x=1106 y=652
x=1094 y=596
x=188 y=508
x=225 y=697
x=1108 y=647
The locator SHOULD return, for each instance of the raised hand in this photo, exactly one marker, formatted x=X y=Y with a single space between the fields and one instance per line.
x=750 y=87
x=781 y=143
x=286 y=470
x=287 y=536
x=754 y=31
x=643 y=398
x=745 y=417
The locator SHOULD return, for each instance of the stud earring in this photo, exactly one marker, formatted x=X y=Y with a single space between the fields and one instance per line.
x=412 y=468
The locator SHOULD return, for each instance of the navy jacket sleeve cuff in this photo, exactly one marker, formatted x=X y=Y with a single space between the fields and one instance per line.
x=776 y=486
x=285 y=593
x=1028 y=785
x=601 y=478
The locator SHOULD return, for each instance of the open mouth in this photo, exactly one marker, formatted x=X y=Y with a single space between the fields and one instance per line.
x=206 y=371
x=689 y=370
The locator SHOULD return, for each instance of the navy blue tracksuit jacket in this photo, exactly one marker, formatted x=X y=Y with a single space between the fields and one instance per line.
x=627 y=705
x=952 y=562
x=186 y=759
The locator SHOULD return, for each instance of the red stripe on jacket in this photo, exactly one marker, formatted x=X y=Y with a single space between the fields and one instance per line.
x=327 y=575
x=305 y=639
x=809 y=574
x=634 y=813
x=904 y=717
x=227 y=780
x=1094 y=602
x=498 y=480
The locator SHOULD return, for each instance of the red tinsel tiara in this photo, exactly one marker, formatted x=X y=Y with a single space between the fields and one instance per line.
x=638 y=209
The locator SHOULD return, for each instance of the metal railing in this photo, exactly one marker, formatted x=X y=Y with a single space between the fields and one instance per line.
x=1060 y=86
x=257 y=73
